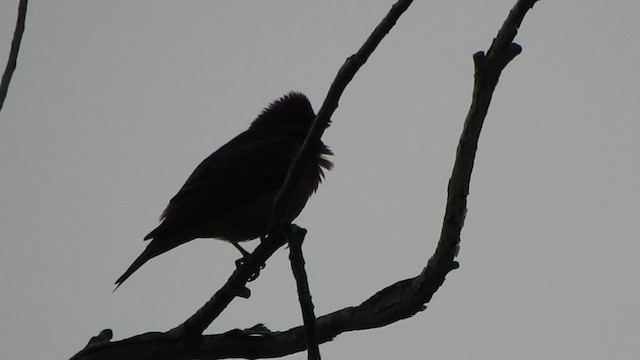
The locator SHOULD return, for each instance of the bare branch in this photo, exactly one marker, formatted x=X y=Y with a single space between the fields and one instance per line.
x=13 y=54
x=345 y=74
x=487 y=72
x=304 y=294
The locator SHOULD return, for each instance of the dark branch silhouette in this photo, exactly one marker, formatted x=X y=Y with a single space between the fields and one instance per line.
x=13 y=54
x=304 y=294
x=393 y=303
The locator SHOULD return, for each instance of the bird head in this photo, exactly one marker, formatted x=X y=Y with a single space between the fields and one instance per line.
x=291 y=115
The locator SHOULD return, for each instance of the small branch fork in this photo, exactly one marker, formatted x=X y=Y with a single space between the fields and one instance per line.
x=393 y=303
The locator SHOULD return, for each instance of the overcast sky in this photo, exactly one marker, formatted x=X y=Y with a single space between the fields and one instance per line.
x=115 y=102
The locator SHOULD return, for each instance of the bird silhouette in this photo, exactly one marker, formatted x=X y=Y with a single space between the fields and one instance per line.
x=230 y=195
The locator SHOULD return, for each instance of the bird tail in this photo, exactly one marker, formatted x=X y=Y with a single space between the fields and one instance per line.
x=146 y=255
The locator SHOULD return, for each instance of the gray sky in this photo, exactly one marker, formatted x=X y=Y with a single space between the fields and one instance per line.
x=114 y=103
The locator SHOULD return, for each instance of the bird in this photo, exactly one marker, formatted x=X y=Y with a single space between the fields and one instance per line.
x=230 y=195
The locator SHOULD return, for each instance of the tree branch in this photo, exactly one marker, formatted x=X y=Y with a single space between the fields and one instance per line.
x=304 y=294
x=487 y=72
x=13 y=54
x=345 y=74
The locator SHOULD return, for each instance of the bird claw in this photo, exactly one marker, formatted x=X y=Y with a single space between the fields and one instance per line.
x=254 y=276
x=240 y=262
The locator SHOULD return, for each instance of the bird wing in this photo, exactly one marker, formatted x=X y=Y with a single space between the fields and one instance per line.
x=239 y=172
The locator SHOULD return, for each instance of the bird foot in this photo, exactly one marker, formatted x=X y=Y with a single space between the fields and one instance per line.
x=240 y=262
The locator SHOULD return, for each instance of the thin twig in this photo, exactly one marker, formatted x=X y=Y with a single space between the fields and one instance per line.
x=13 y=54
x=345 y=74
x=487 y=72
x=304 y=294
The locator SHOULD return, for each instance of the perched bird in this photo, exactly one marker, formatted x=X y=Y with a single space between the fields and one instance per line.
x=230 y=194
